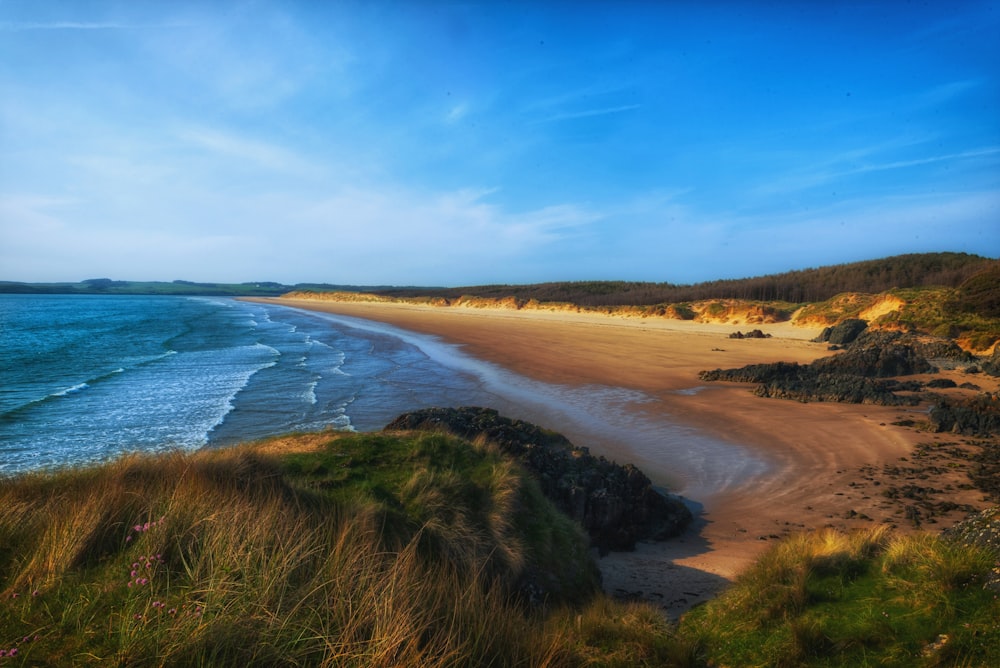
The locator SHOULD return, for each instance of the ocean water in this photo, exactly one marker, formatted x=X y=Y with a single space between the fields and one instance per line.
x=84 y=378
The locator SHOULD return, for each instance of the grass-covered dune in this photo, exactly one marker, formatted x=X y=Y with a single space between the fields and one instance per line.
x=314 y=550
x=422 y=549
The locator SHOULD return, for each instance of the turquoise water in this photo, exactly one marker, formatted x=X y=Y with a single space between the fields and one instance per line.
x=84 y=378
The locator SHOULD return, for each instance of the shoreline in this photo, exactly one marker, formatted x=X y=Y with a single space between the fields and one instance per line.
x=815 y=460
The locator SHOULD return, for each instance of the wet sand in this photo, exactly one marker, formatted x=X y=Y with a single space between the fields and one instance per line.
x=787 y=466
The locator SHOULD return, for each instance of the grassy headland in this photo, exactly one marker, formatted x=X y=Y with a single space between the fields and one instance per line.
x=424 y=549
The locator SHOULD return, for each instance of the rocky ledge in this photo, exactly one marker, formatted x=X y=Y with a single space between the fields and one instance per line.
x=616 y=504
x=864 y=372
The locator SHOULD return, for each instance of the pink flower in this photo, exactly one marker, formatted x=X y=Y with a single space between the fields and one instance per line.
x=128 y=539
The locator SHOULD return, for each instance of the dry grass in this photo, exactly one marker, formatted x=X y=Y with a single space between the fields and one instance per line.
x=270 y=556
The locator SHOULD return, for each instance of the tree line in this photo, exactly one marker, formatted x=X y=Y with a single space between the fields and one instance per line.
x=806 y=285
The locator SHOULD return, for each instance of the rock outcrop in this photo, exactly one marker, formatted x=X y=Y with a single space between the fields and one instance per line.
x=862 y=374
x=977 y=416
x=752 y=334
x=992 y=365
x=616 y=504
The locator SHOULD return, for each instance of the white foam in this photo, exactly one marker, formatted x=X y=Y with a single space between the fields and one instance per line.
x=70 y=390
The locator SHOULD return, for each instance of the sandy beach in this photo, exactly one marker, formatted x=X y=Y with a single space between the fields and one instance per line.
x=803 y=465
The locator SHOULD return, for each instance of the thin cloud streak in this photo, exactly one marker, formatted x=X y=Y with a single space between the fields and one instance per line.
x=589 y=113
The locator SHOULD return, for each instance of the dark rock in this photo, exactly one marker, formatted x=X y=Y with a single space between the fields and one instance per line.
x=876 y=355
x=992 y=365
x=978 y=416
x=864 y=373
x=941 y=383
x=843 y=332
x=616 y=504
x=753 y=334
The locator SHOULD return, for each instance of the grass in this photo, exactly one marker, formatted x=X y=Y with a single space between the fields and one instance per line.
x=867 y=598
x=425 y=550
x=934 y=311
x=370 y=550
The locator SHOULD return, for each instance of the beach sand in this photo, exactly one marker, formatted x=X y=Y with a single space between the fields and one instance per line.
x=813 y=465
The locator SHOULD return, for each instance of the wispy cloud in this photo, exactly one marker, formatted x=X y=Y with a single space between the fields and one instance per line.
x=261 y=154
x=587 y=113
x=836 y=167
x=457 y=113
x=902 y=164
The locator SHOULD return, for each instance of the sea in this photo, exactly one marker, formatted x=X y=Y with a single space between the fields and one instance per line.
x=86 y=378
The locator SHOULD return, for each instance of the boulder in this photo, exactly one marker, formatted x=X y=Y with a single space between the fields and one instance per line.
x=843 y=332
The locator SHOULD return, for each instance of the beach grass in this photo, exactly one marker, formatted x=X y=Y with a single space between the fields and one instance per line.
x=419 y=549
x=865 y=598
x=366 y=550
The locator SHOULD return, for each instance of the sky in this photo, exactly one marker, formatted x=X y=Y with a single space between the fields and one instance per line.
x=442 y=143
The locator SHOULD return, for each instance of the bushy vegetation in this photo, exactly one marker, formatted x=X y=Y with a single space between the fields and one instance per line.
x=796 y=287
x=426 y=550
x=867 y=598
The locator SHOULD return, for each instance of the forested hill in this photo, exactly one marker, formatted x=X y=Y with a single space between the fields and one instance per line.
x=807 y=285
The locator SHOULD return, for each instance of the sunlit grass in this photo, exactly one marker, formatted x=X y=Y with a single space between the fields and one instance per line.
x=371 y=550
x=426 y=550
x=865 y=598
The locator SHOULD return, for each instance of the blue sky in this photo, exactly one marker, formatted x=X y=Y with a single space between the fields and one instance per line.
x=438 y=143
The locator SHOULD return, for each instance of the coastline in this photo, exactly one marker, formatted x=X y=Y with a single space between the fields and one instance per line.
x=816 y=459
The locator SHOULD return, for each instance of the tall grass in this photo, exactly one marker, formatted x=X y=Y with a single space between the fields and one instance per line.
x=379 y=551
x=865 y=598
x=425 y=550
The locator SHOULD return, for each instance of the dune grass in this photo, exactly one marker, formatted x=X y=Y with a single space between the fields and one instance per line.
x=865 y=598
x=369 y=550
x=426 y=550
